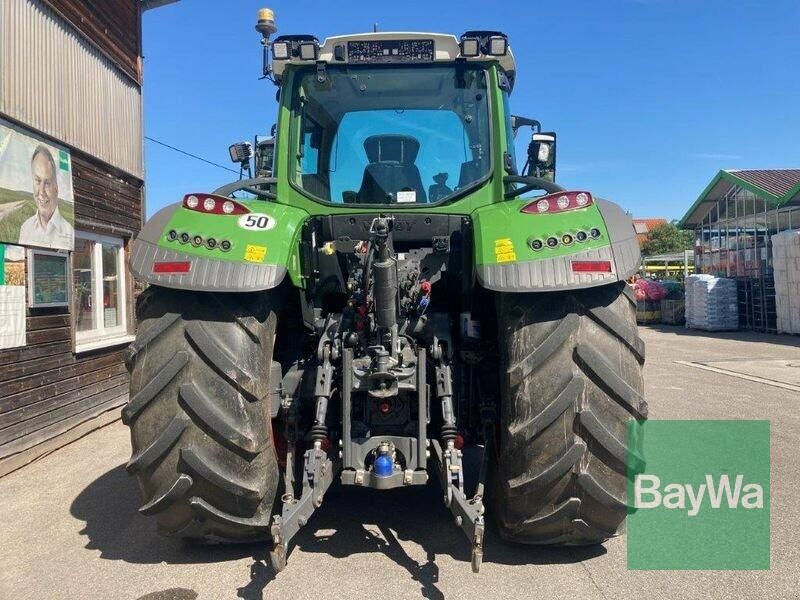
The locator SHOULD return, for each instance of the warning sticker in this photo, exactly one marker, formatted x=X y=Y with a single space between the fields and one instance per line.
x=404 y=196
x=504 y=250
x=255 y=253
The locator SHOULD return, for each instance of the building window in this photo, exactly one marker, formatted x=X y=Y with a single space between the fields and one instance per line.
x=99 y=291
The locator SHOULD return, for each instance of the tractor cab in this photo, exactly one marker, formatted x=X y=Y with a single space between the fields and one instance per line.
x=397 y=118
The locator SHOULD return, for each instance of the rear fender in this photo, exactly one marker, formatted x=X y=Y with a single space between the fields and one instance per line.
x=263 y=248
x=506 y=260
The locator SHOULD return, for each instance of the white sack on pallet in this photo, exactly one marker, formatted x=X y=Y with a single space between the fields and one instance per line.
x=786 y=262
x=711 y=303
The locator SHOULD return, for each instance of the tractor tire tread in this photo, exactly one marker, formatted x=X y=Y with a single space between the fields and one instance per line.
x=200 y=419
x=572 y=383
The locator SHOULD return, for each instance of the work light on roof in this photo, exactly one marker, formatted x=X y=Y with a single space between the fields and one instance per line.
x=309 y=50
x=497 y=46
x=470 y=47
x=280 y=50
x=488 y=43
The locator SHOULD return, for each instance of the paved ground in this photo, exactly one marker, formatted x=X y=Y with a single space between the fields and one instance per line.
x=69 y=526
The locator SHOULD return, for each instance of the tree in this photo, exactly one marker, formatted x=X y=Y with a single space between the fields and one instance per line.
x=666 y=238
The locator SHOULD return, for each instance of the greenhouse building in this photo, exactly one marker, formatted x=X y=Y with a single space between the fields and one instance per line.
x=734 y=219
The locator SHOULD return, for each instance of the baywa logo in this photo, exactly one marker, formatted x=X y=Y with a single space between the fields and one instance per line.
x=700 y=500
x=679 y=496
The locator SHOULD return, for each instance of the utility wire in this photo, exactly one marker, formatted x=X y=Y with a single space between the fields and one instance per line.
x=191 y=155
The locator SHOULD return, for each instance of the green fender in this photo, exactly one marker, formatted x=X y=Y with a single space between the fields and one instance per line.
x=506 y=259
x=193 y=250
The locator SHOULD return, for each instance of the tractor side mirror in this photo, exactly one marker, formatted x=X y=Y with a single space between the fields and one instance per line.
x=542 y=155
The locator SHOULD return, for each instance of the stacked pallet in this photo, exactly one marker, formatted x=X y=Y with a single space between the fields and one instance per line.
x=711 y=303
x=786 y=262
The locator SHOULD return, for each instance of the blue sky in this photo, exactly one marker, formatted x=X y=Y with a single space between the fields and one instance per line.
x=650 y=98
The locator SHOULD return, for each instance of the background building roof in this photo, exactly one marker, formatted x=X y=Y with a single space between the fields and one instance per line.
x=643 y=227
x=777 y=187
x=777 y=182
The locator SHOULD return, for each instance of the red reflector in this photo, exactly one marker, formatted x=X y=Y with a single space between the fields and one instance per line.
x=172 y=267
x=591 y=266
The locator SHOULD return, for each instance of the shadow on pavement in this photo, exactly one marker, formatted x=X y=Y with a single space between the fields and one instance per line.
x=351 y=521
x=109 y=507
x=361 y=521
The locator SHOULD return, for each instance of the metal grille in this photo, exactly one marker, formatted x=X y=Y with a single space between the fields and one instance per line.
x=53 y=80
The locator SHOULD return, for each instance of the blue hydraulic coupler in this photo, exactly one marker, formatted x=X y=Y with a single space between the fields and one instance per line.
x=384 y=466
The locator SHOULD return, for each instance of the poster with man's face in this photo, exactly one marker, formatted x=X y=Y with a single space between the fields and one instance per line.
x=37 y=206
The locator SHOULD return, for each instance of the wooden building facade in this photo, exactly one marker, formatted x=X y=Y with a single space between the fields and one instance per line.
x=70 y=78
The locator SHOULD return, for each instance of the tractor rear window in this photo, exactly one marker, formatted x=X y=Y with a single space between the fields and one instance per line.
x=411 y=135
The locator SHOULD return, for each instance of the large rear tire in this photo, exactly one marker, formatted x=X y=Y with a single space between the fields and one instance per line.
x=571 y=380
x=199 y=413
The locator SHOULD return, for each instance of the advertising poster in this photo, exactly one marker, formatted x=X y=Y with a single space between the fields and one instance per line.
x=37 y=204
x=12 y=296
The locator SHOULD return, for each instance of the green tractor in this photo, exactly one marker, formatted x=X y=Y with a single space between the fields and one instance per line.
x=390 y=299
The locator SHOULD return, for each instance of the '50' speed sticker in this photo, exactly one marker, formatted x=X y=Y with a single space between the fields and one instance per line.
x=256 y=222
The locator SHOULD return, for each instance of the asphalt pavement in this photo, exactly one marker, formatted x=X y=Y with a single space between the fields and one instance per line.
x=69 y=526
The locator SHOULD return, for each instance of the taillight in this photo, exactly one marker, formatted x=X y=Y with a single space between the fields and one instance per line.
x=591 y=266
x=172 y=267
x=558 y=202
x=215 y=205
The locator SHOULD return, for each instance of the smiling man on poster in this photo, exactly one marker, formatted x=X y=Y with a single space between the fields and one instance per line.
x=47 y=227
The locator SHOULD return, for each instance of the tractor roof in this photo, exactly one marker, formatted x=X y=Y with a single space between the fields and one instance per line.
x=336 y=50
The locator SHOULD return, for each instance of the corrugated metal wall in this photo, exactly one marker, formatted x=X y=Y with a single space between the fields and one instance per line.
x=54 y=80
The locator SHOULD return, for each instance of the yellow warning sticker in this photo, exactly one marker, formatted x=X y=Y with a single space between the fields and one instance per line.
x=255 y=253
x=504 y=250
x=507 y=257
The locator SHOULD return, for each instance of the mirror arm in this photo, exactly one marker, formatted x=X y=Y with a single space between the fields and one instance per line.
x=518 y=123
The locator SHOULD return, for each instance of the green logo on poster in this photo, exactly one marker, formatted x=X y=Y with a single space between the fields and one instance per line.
x=702 y=499
x=63 y=160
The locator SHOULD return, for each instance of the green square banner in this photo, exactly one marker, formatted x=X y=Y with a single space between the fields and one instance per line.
x=701 y=501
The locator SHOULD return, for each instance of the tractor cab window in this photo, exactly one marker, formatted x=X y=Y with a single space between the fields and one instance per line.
x=411 y=135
